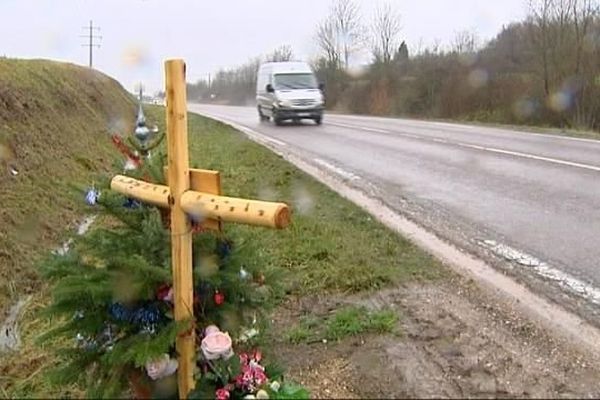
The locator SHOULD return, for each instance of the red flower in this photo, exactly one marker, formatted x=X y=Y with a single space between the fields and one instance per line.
x=257 y=355
x=222 y=394
x=163 y=291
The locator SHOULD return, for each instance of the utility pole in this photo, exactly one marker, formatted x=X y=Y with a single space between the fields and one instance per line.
x=91 y=37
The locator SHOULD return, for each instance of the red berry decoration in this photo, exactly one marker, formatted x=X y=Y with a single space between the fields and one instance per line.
x=219 y=298
x=163 y=292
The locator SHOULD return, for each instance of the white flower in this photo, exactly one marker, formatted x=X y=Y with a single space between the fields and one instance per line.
x=249 y=397
x=248 y=334
x=275 y=386
x=262 y=394
x=161 y=367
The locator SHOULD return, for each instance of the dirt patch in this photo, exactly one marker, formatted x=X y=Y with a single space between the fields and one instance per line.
x=453 y=341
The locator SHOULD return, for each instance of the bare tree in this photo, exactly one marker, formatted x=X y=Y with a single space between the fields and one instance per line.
x=340 y=34
x=540 y=11
x=385 y=32
x=585 y=12
x=349 y=28
x=281 y=53
x=464 y=42
x=327 y=41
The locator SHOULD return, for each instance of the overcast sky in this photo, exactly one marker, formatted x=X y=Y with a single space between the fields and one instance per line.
x=137 y=35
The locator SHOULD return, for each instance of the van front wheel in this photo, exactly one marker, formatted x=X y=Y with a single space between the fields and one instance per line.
x=262 y=117
x=318 y=120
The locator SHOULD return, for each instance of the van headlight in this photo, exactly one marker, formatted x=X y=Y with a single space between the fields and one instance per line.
x=284 y=103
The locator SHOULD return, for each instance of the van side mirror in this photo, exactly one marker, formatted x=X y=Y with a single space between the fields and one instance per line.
x=270 y=88
x=321 y=86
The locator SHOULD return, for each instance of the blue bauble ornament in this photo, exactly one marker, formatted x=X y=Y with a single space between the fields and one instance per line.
x=131 y=203
x=223 y=248
x=119 y=312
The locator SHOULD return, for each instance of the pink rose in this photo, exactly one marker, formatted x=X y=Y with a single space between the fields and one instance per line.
x=161 y=367
x=211 y=329
x=216 y=344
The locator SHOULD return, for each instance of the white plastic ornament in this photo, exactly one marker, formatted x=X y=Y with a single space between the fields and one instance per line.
x=92 y=196
x=161 y=367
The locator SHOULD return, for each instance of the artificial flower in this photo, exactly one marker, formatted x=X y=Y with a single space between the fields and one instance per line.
x=161 y=367
x=262 y=394
x=216 y=344
x=222 y=394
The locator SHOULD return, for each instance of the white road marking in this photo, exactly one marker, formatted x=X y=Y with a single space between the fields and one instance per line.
x=364 y=128
x=527 y=155
x=481 y=148
x=565 y=280
x=424 y=124
x=337 y=170
x=247 y=131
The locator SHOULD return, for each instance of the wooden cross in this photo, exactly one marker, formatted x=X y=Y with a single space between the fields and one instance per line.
x=194 y=192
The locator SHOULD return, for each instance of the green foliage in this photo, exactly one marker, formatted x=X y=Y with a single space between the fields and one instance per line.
x=298 y=334
x=290 y=391
x=353 y=321
x=123 y=263
x=345 y=322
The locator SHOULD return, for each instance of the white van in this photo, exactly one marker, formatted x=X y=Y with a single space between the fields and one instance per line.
x=288 y=91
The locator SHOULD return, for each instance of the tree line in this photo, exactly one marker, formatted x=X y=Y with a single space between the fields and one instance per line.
x=543 y=70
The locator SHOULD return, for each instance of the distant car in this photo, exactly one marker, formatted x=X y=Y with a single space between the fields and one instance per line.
x=288 y=91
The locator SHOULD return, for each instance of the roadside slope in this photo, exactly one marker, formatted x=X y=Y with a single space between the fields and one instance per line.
x=54 y=124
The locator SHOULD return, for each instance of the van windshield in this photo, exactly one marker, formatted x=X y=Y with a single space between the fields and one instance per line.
x=295 y=81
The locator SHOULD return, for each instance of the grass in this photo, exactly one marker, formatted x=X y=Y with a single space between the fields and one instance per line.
x=332 y=246
x=345 y=322
x=54 y=124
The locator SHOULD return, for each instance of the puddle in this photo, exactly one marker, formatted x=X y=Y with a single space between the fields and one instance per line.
x=82 y=228
x=10 y=339
x=9 y=332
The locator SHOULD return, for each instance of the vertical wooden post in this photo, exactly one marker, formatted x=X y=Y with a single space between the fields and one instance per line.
x=181 y=235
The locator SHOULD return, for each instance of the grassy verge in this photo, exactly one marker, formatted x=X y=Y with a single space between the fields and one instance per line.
x=345 y=322
x=332 y=246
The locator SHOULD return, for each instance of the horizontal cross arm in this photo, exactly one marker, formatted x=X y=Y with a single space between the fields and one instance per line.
x=206 y=205
x=231 y=209
x=151 y=193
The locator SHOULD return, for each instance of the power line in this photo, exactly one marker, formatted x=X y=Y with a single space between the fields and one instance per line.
x=91 y=37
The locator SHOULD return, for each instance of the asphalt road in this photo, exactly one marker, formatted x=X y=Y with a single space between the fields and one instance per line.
x=538 y=194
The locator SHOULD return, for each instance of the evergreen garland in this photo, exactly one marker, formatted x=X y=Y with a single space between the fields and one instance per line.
x=113 y=317
x=108 y=304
